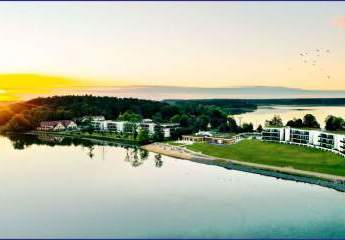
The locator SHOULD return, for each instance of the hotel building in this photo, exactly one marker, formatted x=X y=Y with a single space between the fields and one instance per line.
x=127 y=127
x=334 y=142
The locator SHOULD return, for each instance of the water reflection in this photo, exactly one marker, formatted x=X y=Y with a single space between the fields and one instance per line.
x=22 y=141
x=90 y=152
x=135 y=155
x=61 y=189
x=158 y=160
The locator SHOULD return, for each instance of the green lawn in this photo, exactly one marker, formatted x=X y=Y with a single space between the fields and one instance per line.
x=174 y=143
x=276 y=154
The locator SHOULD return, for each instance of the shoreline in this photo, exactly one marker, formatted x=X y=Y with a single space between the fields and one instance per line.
x=88 y=138
x=324 y=180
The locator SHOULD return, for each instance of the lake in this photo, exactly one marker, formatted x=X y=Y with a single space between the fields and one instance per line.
x=289 y=112
x=55 y=187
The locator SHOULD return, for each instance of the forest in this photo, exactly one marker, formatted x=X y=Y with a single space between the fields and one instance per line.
x=26 y=116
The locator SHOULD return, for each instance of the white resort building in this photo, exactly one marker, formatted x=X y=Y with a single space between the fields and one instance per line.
x=92 y=118
x=334 y=142
x=127 y=127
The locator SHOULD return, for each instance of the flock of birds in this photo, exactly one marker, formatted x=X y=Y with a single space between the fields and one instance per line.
x=313 y=58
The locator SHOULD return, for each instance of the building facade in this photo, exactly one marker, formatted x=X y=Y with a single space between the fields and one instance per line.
x=111 y=126
x=57 y=125
x=313 y=138
x=92 y=118
x=208 y=139
x=128 y=127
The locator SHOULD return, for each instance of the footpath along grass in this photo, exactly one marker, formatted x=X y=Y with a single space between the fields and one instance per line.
x=276 y=154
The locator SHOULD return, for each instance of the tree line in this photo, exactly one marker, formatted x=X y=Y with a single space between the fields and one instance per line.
x=25 y=116
x=332 y=123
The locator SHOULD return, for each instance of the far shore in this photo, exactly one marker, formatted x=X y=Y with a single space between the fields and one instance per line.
x=325 y=180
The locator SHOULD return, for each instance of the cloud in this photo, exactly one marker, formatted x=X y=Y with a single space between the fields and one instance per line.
x=339 y=22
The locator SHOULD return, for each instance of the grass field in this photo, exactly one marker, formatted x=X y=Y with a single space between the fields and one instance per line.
x=276 y=154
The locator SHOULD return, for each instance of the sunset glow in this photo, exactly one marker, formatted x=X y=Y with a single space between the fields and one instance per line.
x=228 y=44
x=14 y=86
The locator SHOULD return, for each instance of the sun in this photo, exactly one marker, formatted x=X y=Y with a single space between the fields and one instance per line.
x=4 y=97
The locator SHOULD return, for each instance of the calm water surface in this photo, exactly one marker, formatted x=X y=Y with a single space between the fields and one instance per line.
x=289 y=112
x=106 y=191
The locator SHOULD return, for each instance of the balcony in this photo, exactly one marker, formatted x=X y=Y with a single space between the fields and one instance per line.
x=271 y=134
x=326 y=141
x=326 y=136
x=300 y=133
x=299 y=140
x=327 y=145
x=271 y=138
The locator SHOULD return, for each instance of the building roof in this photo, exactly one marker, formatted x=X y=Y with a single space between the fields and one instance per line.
x=147 y=120
x=204 y=133
x=170 y=124
x=65 y=123
x=92 y=117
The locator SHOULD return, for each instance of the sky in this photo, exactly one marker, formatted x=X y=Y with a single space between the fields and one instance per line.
x=194 y=44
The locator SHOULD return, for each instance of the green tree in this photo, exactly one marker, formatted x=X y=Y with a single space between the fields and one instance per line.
x=296 y=123
x=157 y=117
x=224 y=127
x=232 y=125
x=168 y=111
x=143 y=136
x=176 y=118
x=310 y=121
x=18 y=123
x=259 y=128
x=129 y=127
x=135 y=132
x=185 y=120
x=158 y=136
x=247 y=127
x=89 y=129
x=334 y=123
x=217 y=117
x=276 y=121
x=202 y=122
x=130 y=117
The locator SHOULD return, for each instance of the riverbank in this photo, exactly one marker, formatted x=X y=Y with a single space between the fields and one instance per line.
x=287 y=173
